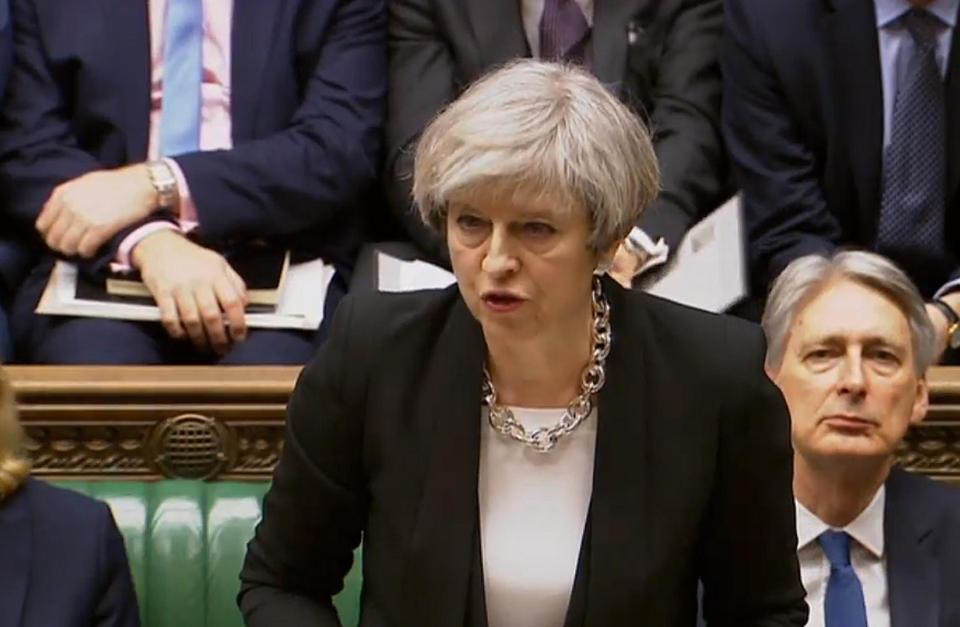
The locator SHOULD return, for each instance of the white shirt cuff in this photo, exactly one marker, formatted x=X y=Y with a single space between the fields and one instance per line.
x=949 y=286
x=656 y=252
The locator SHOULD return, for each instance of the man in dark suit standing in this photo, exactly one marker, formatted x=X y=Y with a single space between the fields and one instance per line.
x=658 y=56
x=849 y=345
x=843 y=120
x=130 y=125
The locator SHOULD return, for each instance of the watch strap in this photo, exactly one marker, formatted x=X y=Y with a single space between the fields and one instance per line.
x=953 y=321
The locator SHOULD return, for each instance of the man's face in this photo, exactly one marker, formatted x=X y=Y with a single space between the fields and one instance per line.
x=848 y=375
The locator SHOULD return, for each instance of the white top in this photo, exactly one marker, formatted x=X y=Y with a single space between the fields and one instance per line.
x=533 y=508
x=866 y=556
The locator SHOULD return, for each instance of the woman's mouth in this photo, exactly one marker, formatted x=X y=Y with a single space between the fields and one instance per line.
x=502 y=302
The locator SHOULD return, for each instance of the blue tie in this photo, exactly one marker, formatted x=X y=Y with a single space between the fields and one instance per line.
x=182 y=77
x=844 y=606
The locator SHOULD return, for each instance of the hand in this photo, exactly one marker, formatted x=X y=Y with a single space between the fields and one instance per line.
x=625 y=266
x=195 y=289
x=83 y=214
x=941 y=325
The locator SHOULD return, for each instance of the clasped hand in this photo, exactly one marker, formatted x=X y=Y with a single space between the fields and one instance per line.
x=82 y=215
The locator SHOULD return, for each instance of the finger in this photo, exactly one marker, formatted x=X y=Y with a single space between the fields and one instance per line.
x=168 y=314
x=232 y=305
x=51 y=210
x=190 y=318
x=238 y=285
x=58 y=229
x=212 y=317
x=71 y=239
x=91 y=242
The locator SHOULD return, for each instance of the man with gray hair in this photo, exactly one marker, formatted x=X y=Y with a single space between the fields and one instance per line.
x=849 y=345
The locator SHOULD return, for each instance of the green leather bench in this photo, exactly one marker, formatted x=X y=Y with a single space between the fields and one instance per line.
x=186 y=541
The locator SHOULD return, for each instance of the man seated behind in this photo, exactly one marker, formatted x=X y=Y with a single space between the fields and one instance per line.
x=849 y=345
x=129 y=124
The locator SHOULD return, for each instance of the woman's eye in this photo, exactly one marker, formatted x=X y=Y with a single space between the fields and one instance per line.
x=469 y=223
x=538 y=229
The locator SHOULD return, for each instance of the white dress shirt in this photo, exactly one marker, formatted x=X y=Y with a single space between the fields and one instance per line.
x=866 y=556
x=533 y=508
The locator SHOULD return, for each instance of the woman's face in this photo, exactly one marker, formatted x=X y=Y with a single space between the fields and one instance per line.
x=523 y=263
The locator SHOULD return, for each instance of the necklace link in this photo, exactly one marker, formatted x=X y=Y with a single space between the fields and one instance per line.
x=545 y=439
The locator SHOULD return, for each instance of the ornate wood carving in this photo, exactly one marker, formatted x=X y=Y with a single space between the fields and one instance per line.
x=153 y=422
x=227 y=423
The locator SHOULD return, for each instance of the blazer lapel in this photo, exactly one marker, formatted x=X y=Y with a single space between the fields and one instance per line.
x=854 y=54
x=618 y=504
x=911 y=567
x=443 y=543
x=609 y=39
x=125 y=54
x=254 y=22
x=15 y=543
x=498 y=28
x=952 y=87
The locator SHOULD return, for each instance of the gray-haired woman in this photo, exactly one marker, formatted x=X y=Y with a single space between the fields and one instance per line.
x=534 y=447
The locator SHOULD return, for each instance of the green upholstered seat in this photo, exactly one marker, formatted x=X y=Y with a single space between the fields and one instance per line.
x=186 y=541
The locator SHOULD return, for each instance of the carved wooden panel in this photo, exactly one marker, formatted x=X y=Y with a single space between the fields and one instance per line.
x=227 y=423
x=152 y=422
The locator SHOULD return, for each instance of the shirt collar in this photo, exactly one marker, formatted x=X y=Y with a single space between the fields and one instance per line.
x=889 y=11
x=866 y=528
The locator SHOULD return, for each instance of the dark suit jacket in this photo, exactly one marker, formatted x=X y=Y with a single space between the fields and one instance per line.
x=308 y=81
x=922 y=541
x=803 y=118
x=692 y=475
x=669 y=74
x=63 y=563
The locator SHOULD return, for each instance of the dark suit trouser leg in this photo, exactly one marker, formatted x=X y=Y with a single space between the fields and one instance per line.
x=287 y=347
x=43 y=339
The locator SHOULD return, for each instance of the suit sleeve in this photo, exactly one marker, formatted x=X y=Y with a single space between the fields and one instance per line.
x=117 y=602
x=750 y=573
x=325 y=161
x=422 y=82
x=685 y=121
x=38 y=149
x=784 y=207
x=316 y=506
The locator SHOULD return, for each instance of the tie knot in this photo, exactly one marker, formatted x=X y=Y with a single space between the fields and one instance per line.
x=836 y=544
x=924 y=26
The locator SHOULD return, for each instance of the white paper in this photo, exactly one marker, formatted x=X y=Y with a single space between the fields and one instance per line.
x=300 y=307
x=709 y=269
x=397 y=275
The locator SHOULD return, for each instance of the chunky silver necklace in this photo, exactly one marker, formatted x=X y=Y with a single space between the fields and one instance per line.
x=544 y=439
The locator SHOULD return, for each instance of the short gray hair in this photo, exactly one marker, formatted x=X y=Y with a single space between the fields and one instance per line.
x=806 y=277
x=544 y=128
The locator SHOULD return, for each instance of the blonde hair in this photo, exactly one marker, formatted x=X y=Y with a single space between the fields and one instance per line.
x=544 y=128
x=14 y=467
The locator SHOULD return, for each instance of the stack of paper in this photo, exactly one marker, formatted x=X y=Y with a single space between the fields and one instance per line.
x=300 y=307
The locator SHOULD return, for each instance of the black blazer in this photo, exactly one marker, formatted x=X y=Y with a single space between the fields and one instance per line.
x=803 y=118
x=659 y=56
x=692 y=476
x=922 y=541
x=308 y=91
x=62 y=562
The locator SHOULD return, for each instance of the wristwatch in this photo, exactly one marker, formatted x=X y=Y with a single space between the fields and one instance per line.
x=953 y=321
x=164 y=182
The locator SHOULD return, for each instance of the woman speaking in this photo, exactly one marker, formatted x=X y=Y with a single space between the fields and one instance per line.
x=535 y=446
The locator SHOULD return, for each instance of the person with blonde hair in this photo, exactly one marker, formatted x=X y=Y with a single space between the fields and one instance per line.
x=62 y=559
x=530 y=447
